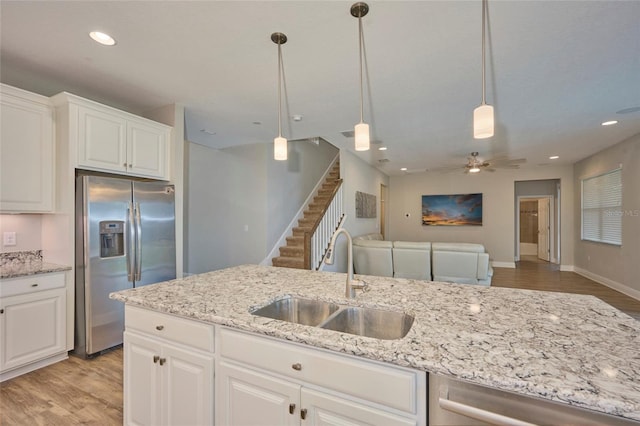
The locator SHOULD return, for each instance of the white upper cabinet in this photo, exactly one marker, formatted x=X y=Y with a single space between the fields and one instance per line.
x=26 y=152
x=114 y=141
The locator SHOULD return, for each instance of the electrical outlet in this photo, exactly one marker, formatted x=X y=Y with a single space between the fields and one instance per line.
x=9 y=238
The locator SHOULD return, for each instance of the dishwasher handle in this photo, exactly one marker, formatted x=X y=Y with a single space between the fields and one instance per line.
x=478 y=413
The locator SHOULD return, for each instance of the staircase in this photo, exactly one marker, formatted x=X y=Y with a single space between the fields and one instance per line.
x=294 y=254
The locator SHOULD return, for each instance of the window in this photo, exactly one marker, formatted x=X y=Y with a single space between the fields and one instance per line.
x=602 y=208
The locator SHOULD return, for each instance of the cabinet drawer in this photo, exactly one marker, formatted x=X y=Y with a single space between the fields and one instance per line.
x=176 y=329
x=387 y=385
x=31 y=284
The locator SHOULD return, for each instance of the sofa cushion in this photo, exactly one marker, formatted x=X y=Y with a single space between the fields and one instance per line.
x=413 y=263
x=463 y=247
x=412 y=245
x=371 y=257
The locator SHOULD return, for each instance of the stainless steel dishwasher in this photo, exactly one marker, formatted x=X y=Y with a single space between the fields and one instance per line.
x=455 y=403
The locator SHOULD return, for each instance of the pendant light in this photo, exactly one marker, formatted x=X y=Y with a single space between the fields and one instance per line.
x=358 y=10
x=279 y=143
x=483 y=121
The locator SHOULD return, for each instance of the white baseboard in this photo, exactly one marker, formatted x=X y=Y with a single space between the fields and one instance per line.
x=511 y=265
x=567 y=268
x=631 y=292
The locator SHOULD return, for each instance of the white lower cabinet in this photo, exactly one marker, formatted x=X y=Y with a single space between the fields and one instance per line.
x=306 y=386
x=166 y=382
x=32 y=323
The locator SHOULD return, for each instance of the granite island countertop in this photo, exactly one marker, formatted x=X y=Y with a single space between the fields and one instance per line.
x=561 y=347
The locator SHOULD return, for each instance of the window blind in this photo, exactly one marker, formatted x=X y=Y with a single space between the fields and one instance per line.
x=602 y=208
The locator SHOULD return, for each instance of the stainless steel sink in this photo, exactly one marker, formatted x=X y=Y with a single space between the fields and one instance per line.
x=369 y=322
x=298 y=310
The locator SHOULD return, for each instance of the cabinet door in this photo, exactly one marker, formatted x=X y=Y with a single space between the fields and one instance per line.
x=245 y=398
x=147 y=150
x=188 y=387
x=26 y=155
x=328 y=410
x=141 y=380
x=101 y=140
x=32 y=327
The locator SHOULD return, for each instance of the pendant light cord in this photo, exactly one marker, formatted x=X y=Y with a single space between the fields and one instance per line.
x=279 y=90
x=484 y=7
x=360 y=52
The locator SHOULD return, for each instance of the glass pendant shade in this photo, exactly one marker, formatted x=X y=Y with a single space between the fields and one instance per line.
x=483 y=122
x=362 y=137
x=280 y=148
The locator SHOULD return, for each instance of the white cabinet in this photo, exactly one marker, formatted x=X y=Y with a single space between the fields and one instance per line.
x=265 y=381
x=168 y=370
x=26 y=152
x=32 y=323
x=109 y=140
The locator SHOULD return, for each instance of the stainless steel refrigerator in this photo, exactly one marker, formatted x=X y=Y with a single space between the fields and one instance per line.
x=125 y=238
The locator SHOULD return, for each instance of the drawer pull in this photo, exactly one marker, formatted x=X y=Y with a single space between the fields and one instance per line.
x=297 y=366
x=292 y=408
x=159 y=327
x=156 y=358
x=303 y=413
x=34 y=285
x=1 y=311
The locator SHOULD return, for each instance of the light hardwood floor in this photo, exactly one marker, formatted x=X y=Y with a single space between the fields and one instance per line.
x=89 y=392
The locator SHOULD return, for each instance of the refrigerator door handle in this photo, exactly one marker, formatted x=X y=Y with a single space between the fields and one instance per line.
x=130 y=243
x=138 y=275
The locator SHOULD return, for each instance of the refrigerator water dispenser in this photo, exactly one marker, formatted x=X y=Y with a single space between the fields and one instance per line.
x=111 y=238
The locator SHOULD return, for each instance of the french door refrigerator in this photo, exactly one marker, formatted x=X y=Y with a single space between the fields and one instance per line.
x=125 y=238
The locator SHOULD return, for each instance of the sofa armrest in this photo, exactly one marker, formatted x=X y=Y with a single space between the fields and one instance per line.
x=484 y=267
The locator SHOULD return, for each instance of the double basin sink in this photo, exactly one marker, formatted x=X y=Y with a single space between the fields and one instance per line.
x=369 y=322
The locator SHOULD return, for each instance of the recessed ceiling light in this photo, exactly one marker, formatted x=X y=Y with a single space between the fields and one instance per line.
x=610 y=123
x=404 y=169
x=382 y=148
x=474 y=170
x=554 y=157
x=102 y=38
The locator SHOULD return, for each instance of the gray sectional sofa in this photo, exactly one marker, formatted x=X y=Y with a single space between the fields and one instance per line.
x=464 y=263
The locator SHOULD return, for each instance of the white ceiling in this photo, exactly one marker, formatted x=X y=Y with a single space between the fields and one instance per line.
x=555 y=70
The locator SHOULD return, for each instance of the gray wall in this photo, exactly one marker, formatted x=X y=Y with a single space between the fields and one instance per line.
x=619 y=266
x=240 y=200
x=290 y=182
x=498 y=230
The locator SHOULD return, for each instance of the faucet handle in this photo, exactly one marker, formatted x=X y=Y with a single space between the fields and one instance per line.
x=360 y=285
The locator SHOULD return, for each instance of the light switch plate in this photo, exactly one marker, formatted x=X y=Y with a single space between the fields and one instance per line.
x=9 y=238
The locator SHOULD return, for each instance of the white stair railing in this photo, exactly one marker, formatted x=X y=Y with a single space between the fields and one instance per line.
x=331 y=220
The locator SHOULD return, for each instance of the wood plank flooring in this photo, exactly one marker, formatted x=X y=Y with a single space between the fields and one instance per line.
x=89 y=392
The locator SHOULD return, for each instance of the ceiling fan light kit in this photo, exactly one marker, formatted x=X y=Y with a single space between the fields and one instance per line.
x=483 y=121
x=358 y=10
x=279 y=143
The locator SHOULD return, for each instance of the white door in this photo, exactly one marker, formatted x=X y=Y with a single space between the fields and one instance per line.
x=248 y=398
x=102 y=140
x=32 y=327
x=187 y=378
x=320 y=409
x=543 y=229
x=147 y=150
x=141 y=380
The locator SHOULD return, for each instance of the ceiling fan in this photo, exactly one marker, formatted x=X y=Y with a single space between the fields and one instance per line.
x=475 y=164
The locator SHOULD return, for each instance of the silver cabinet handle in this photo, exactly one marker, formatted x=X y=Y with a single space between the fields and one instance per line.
x=480 y=414
x=297 y=366
x=292 y=408
x=130 y=243
x=159 y=327
x=156 y=358
x=34 y=285
x=303 y=413
x=162 y=361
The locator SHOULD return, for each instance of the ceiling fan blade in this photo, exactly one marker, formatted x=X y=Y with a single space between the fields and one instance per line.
x=490 y=170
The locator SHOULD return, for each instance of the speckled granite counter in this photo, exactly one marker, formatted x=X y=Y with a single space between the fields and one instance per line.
x=23 y=263
x=561 y=347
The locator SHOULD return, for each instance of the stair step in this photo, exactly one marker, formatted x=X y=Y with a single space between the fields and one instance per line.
x=295 y=251
x=289 y=262
x=317 y=206
x=326 y=191
x=295 y=241
x=298 y=231
x=307 y=221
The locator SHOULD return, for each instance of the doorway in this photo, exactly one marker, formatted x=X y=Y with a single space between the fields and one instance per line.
x=537 y=221
x=383 y=197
